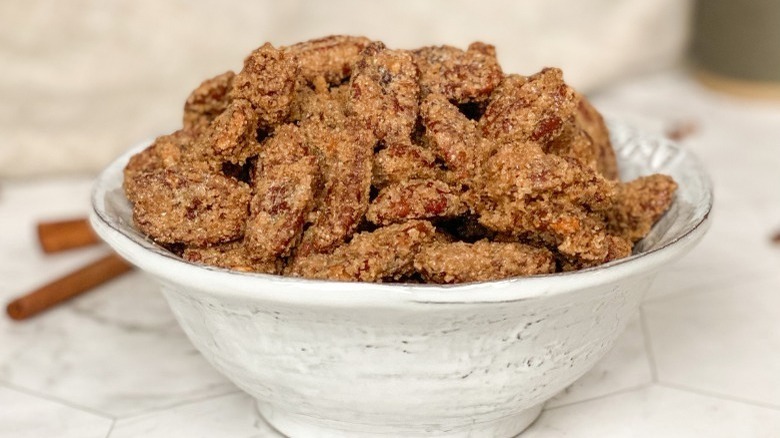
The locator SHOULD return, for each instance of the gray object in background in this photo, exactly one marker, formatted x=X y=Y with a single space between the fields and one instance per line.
x=738 y=39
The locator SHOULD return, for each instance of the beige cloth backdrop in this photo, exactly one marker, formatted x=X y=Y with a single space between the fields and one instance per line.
x=82 y=80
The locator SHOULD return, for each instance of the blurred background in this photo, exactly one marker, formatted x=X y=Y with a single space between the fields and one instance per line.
x=82 y=80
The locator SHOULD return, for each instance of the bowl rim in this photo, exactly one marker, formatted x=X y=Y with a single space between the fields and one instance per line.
x=171 y=268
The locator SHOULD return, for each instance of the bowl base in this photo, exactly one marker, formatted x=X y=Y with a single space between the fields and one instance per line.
x=296 y=425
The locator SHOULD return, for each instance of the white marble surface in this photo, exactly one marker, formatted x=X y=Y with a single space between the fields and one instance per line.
x=24 y=415
x=702 y=359
x=658 y=411
x=229 y=416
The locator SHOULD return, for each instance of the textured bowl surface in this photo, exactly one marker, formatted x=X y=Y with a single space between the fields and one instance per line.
x=333 y=359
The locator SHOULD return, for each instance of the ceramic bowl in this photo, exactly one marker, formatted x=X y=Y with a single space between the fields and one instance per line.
x=333 y=359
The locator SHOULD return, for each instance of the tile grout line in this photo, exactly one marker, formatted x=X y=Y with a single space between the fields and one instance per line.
x=717 y=395
x=648 y=343
x=153 y=411
x=602 y=396
x=58 y=400
x=260 y=417
x=111 y=428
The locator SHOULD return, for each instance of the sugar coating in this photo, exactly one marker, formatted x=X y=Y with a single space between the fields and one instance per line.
x=384 y=92
x=267 y=81
x=176 y=205
x=453 y=138
x=460 y=76
x=385 y=254
x=207 y=101
x=230 y=138
x=461 y=262
x=588 y=119
x=339 y=158
x=232 y=255
x=400 y=162
x=330 y=58
x=639 y=204
x=415 y=199
x=533 y=108
x=546 y=198
x=345 y=195
x=285 y=187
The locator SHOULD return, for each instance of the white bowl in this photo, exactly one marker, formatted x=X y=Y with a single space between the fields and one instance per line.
x=333 y=359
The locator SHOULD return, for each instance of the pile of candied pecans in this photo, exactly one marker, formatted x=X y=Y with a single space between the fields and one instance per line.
x=341 y=159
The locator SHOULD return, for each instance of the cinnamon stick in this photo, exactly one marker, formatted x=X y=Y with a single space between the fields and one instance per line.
x=69 y=286
x=64 y=235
